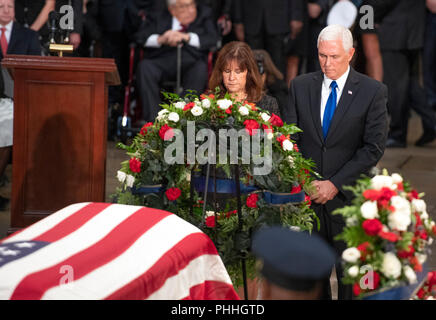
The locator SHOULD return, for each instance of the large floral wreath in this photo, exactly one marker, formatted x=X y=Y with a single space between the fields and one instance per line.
x=387 y=231
x=148 y=179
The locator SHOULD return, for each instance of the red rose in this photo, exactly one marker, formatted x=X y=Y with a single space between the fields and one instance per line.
x=231 y=213
x=189 y=106
x=252 y=200
x=281 y=138
x=415 y=263
x=166 y=132
x=251 y=125
x=372 y=226
x=135 y=165
x=400 y=186
x=386 y=194
x=229 y=110
x=413 y=195
x=356 y=289
x=403 y=254
x=275 y=120
x=307 y=200
x=173 y=193
x=296 y=147
x=418 y=219
x=371 y=194
x=363 y=248
x=421 y=293
x=376 y=280
x=210 y=221
x=296 y=189
x=390 y=236
x=144 y=128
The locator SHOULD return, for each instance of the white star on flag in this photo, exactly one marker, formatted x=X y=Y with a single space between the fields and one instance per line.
x=24 y=245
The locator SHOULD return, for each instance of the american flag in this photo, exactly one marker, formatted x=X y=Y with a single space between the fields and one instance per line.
x=111 y=251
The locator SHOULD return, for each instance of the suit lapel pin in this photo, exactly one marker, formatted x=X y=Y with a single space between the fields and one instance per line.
x=350 y=92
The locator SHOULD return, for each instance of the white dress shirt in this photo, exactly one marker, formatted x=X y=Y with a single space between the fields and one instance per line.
x=325 y=90
x=8 y=31
x=194 y=40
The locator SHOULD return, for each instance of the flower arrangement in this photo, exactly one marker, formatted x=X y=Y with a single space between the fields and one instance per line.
x=168 y=170
x=387 y=232
x=428 y=290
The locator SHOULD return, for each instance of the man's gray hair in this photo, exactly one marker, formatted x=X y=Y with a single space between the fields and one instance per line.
x=337 y=32
x=171 y=2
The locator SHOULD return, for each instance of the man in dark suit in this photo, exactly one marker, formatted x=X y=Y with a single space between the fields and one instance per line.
x=14 y=39
x=401 y=34
x=183 y=22
x=344 y=120
x=267 y=24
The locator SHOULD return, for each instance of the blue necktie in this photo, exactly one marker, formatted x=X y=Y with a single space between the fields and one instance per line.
x=329 y=109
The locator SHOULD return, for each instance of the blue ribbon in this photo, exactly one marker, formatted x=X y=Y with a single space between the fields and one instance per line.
x=222 y=185
x=283 y=198
x=147 y=189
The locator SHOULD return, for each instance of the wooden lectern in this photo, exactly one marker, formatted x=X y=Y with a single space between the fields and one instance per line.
x=60 y=133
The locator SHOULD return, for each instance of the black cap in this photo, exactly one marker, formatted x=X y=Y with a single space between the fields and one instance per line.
x=293 y=260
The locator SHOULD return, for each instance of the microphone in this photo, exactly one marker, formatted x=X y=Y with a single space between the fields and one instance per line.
x=53 y=17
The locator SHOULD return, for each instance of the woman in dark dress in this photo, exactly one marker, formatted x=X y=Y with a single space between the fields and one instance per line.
x=236 y=72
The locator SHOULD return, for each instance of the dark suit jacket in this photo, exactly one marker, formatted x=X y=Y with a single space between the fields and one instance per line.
x=23 y=41
x=403 y=26
x=357 y=134
x=277 y=14
x=204 y=26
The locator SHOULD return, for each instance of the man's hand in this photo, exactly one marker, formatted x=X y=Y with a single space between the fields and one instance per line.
x=75 y=39
x=325 y=191
x=172 y=38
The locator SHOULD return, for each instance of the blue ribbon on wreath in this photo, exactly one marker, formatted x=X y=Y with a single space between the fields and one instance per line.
x=147 y=189
x=283 y=198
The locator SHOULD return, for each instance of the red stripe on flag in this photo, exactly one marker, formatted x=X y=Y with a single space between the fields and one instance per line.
x=212 y=290
x=73 y=222
x=107 y=249
x=174 y=260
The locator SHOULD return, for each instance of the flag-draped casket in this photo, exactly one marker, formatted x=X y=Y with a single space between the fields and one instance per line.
x=112 y=251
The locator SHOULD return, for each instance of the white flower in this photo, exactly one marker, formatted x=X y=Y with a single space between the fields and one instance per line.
x=243 y=111
x=180 y=104
x=396 y=178
x=121 y=176
x=287 y=145
x=197 y=111
x=351 y=221
x=400 y=218
x=291 y=161
x=424 y=216
x=351 y=255
x=224 y=104
x=419 y=205
x=379 y=182
x=270 y=134
x=369 y=210
x=210 y=213
x=410 y=274
x=173 y=116
x=161 y=114
x=130 y=180
x=353 y=271
x=205 y=103
x=295 y=228
x=421 y=257
x=430 y=298
x=391 y=266
x=265 y=117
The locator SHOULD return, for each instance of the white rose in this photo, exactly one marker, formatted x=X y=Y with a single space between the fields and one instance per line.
x=369 y=210
x=353 y=271
x=399 y=220
x=130 y=180
x=287 y=145
x=351 y=255
x=197 y=111
x=424 y=216
x=379 y=182
x=391 y=266
x=205 y=103
x=269 y=135
x=173 y=117
x=421 y=257
x=224 y=104
x=161 y=114
x=180 y=104
x=265 y=117
x=210 y=213
x=243 y=111
x=419 y=205
x=410 y=274
x=396 y=178
x=121 y=176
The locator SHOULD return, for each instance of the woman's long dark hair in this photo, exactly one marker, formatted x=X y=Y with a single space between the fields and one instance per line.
x=242 y=54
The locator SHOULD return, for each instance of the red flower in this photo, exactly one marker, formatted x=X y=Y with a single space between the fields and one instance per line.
x=173 y=193
x=210 y=221
x=251 y=125
x=421 y=293
x=231 y=213
x=433 y=230
x=386 y=194
x=403 y=254
x=371 y=194
x=390 y=236
x=229 y=110
x=135 y=165
x=413 y=195
x=252 y=200
x=376 y=280
x=275 y=120
x=418 y=219
x=363 y=248
x=415 y=263
x=296 y=189
x=372 y=226
x=144 y=128
x=296 y=147
x=400 y=186
x=356 y=289
x=307 y=200
x=189 y=106
x=166 y=132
